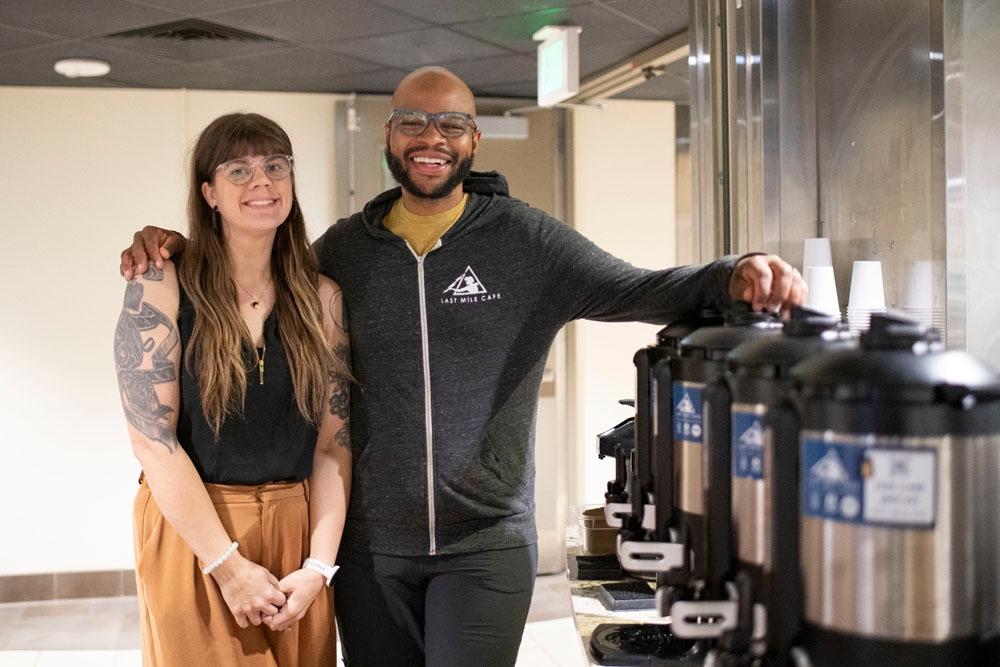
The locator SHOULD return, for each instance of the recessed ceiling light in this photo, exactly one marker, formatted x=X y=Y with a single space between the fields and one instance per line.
x=81 y=67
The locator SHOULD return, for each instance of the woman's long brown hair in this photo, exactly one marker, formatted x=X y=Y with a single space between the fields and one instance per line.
x=220 y=342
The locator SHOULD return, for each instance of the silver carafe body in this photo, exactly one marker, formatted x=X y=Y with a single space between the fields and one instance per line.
x=899 y=502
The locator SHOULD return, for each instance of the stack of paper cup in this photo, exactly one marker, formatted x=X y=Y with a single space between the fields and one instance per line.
x=867 y=295
x=817 y=271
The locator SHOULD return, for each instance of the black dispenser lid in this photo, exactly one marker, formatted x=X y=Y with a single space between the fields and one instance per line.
x=740 y=324
x=898 y=361
x=671 y=335
x=806 y=332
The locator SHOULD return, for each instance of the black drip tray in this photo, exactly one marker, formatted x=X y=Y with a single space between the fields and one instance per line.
x=646 y=645
x=595 y=568
x=627 y=596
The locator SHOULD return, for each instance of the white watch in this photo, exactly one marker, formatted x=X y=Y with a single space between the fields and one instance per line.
x=319 y=566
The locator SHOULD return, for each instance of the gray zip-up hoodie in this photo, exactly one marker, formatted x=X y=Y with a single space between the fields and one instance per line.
x=448 y=350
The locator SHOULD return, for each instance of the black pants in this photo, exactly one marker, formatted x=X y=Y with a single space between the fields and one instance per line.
x=434 y=611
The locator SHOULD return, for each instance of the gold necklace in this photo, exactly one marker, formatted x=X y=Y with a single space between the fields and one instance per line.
x=260 y=362
x=255 y=301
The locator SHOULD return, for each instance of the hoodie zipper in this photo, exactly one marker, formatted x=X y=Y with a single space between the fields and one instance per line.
x=429 y=431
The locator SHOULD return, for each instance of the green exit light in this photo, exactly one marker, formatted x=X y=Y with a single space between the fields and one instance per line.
x=550 y=67
x=558 y=63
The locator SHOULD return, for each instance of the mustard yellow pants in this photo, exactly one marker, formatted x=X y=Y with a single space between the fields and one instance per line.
x=184 y=619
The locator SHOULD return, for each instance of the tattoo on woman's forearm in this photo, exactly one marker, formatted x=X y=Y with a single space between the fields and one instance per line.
x=136 y=383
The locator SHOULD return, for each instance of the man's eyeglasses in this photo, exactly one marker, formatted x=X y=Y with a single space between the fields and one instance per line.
x=240 y=171
x=413 y=122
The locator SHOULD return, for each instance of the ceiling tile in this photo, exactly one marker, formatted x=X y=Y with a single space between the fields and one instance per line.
x=11 y=39
x=300 y=65
x=191 y=50
x=444 y=12
x=380 y=82
x=318 y=21
x=41 y=59
x=14 y=77
x=203 y=76
x=80 y=18
x=209 y=7
x=501 y=69
x=525 y=89
x=408 y=50
x=667 y=17
x=599 y=25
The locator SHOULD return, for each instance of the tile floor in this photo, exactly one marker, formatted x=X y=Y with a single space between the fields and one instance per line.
x=104 y=632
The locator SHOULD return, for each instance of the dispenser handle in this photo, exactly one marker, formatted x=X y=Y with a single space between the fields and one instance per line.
x=783 y=593
x=662 y=451
x=718 y=556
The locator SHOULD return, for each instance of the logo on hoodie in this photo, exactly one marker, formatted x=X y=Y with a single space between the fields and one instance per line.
x=467 y=288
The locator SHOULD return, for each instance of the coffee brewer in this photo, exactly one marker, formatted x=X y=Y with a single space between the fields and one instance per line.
x=887 y=460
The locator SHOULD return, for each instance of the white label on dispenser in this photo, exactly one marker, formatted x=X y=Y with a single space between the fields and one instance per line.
x=877 y=486
x=688 y=422
x=748 y=441
x=900 y=487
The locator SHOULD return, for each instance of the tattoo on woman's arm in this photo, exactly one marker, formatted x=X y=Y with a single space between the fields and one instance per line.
x=136 y=383
x=337 y=310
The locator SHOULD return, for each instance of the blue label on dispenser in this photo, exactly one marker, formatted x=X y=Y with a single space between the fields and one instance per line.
x=748 y=444
x=876 y=486
x=688 y=412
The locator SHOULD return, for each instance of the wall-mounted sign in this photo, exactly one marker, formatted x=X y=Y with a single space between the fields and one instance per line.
x=558 y=63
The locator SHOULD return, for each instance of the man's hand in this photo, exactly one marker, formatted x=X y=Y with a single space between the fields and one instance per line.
x=767 y=282
x=152 y=243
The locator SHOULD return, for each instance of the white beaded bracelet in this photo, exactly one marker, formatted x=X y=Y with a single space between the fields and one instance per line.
x=221 y=559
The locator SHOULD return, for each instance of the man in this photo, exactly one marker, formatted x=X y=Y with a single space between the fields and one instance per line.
x=455 y=292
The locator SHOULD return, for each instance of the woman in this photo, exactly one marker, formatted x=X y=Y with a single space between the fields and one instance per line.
x=232 y=368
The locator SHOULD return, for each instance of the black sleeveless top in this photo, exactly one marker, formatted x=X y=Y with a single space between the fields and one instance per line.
x=270 y=442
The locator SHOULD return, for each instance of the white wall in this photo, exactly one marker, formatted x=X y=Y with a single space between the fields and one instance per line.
x=84 y=169
x=623 y=200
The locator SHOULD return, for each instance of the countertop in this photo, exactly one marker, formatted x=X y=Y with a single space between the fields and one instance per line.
x=588 y=610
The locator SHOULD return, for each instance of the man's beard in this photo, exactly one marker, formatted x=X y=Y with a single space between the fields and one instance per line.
x=462 y=171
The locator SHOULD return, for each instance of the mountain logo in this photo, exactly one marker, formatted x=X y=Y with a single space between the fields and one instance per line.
x=830 y=468
x=686 y=405
x=466 y=284
x=753 y=436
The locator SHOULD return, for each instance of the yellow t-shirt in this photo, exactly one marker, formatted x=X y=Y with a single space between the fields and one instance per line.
x=422 y=231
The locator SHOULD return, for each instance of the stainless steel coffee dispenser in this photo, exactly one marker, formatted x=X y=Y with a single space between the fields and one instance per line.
x=897 y=489
x=690 y=477
x=631 y=505
x=758 y=376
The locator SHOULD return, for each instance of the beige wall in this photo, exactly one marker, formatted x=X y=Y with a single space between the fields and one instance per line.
x=85 y=169
x=623 y=177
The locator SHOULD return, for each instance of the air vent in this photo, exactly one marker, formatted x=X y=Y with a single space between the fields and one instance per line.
x=192 y=29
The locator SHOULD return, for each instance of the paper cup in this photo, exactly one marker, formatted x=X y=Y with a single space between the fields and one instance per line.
x=920 y=287
x=822 y=290
x=816 y=253
x=867 y=292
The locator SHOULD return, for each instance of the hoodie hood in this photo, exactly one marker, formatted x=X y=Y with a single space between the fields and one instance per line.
x=480 y=186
